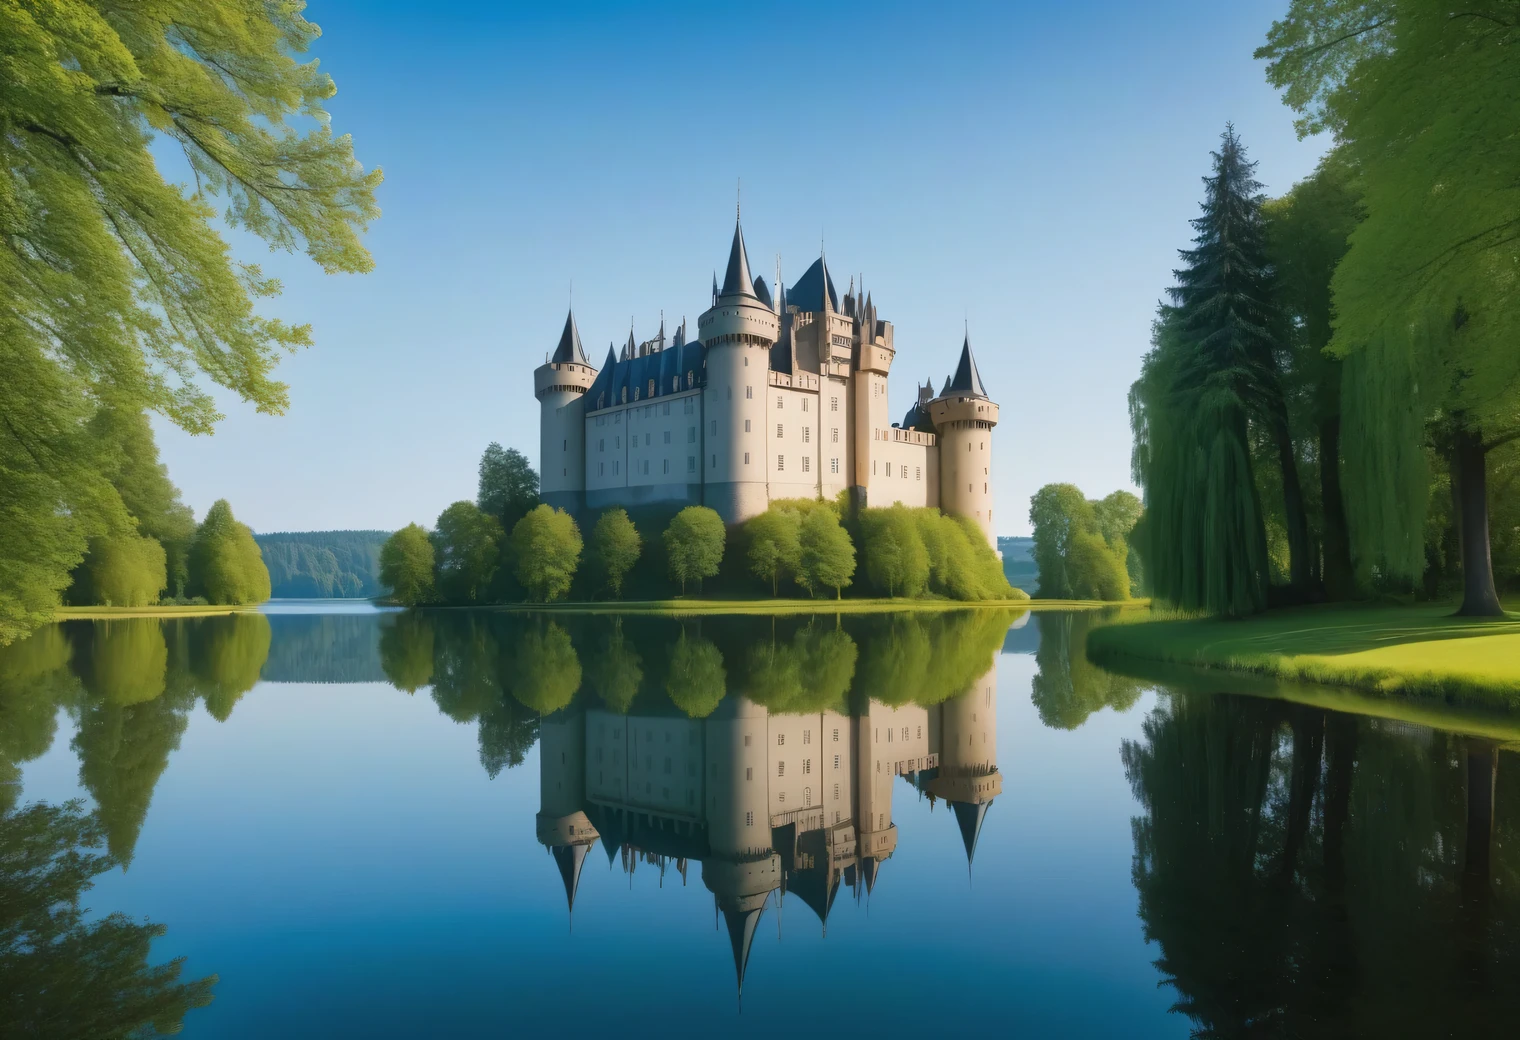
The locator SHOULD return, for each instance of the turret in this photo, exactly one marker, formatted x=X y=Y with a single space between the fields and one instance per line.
x=560 y=384
x=964 y=417
x=737 y=331
x=562 y=824
x=968 y=777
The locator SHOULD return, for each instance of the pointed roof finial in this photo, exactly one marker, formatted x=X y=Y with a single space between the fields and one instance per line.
x=738 y=195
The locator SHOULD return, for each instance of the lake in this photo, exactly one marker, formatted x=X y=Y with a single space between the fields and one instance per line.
x=472 y=823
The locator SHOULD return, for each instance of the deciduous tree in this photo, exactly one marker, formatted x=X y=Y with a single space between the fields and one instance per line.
x=694 y=544
x=225 y=563
x=547 y=547
x=827 y=559
x=467 y=547
x=508 y=485
x=773 y=545
x=407 y=563
x=615 y=548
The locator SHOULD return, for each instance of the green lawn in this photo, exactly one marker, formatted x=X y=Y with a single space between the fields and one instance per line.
x=1413 y=650
x=801 y=606
x=98 y=613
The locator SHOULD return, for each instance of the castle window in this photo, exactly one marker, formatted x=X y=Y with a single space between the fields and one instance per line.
x=780 y=463
x=564 y=445
x=984 y=489
x=690 y=379
x=601 y=469
x=873 y=468
x=833 y=465
x=675 y=383
x=804 y=404
x=635 y=393
x=691 y=463
x=780 y=739
x=617 y=417
x=781 y=771
x=807 y=736
x=601 y=445
x=691 y=435
x=625 y=401
x=749 y=819
x=646 y=439
x=806 y=463
x=807 y=765
x=834 y=436
x=807 y=434
x=715 y=462
x=836 y=766
x=651 y=388
x=889 y=469
x=749 y=393
x=746 y=362
x=601 y=402
x=667 y=466
x=715 y=427
x=778 y=431
x=646 y=467
x=617 y=467
x=746 y=426
x=778 y=402
x=617 y=442
x=667 y=409
x=746 y=458
x=918 y=473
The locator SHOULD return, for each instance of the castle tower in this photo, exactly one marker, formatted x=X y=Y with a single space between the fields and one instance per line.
x=964 y=416
x=873 y=361
x=560 y=384
x=743 y=869
x=562 y=824
x=968 y=778
x=737 y=332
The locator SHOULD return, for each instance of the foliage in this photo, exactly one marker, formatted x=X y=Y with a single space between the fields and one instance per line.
x=225 y=563
x=466 y=544
x=896 y=561
x=1057 y=512
x=615 y=671
x=68 y=972
x=1413 y=93
x=406 y=651
x=323 y=564
x=508 y=485
x=147 y=493
x=547 y=547
x=407 y=564
x=1067 y=687
x=696 y=682
x=773 y=546
x=115 y=287
x=810 y=672
x=124 y=570
x=826 y=559
x=961 y=563
x=1095 y=569
x=615 y=547
x=545 y=671
x=694 y=544
x=226 y=658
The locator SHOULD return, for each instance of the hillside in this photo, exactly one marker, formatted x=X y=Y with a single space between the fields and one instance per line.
x=323 y=564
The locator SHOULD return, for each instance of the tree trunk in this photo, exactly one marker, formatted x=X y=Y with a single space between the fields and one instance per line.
x=1293 y=508
x=1340 y=577
x=1469 y=468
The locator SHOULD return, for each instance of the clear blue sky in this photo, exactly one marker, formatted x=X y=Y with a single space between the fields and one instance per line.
x=1029 y=168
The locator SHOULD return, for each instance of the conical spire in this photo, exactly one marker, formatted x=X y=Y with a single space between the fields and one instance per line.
x=737 y=280
x=967 y=380
x=741 y=936
x=969 y=818
x=570 y=859
x=570 y=349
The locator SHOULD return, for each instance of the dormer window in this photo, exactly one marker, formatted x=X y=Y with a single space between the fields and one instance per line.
x=651 y=388
x=635 y=393
x=625 y=395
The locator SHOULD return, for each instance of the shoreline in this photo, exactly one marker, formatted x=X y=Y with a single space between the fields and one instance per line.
x=167 y=611
x=1411 y=653
x=792 y=606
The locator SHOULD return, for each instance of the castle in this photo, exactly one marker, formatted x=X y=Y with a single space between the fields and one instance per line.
x=776 y=397
x=770 y=804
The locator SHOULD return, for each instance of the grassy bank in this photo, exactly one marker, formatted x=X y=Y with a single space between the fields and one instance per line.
x=99 y=613
x=801 y=606
x=1387 y=650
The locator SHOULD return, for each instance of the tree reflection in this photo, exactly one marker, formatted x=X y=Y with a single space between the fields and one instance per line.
x=1067 y=687
x=614 y=670
x=65 y=976
x=406 y=651
x=1312 y=874
x=696 y=682
x=34 y=681
x=226 y=656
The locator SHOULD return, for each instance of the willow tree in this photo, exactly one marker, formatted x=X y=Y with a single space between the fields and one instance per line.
x=1210 y=376
x=1423 y=100
x=114 y=285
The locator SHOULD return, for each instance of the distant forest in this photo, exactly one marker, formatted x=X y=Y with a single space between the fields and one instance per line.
x=323 y=564
x=1018 y=562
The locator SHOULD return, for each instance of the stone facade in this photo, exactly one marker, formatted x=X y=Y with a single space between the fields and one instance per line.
x=777 y=396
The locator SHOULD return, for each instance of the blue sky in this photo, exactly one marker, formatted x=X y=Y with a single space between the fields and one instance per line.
x=1028 y=169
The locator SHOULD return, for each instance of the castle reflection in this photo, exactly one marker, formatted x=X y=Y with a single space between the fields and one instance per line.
x=769 y=804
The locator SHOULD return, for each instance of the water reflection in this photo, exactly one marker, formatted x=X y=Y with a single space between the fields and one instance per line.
x=1308 y=873
x=1298 y=871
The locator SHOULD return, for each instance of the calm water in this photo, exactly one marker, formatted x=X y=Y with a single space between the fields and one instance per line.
x=383 y=824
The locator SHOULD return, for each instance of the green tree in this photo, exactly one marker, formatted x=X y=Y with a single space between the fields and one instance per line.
x=547 y=547
x=225 y=563
x=1095 y=569
x=406 y=651
x=896 y=561
x=1423 y=298
x=116 y=286
x=774 y=545
x=69 y=972
x=508 y=485
x=1057 y=512
x=615 y=547
x=694 y=544
x=406 y=565
x=146 y=491
x=467 y=546
x=827 y=559
x=696 y=682
x=125 y=570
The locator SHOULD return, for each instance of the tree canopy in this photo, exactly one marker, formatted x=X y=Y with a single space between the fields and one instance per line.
x=508 y=485
x=615 y=548
x=694 y=544
x=406 y=565
x=546 y=544
x=467 y=548
x=225 y=563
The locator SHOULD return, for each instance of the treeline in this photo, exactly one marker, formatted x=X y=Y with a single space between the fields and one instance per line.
x=148 y=549
x=1081 y=545
x=507 y=547
x=323 y=564
x=1331 y=404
